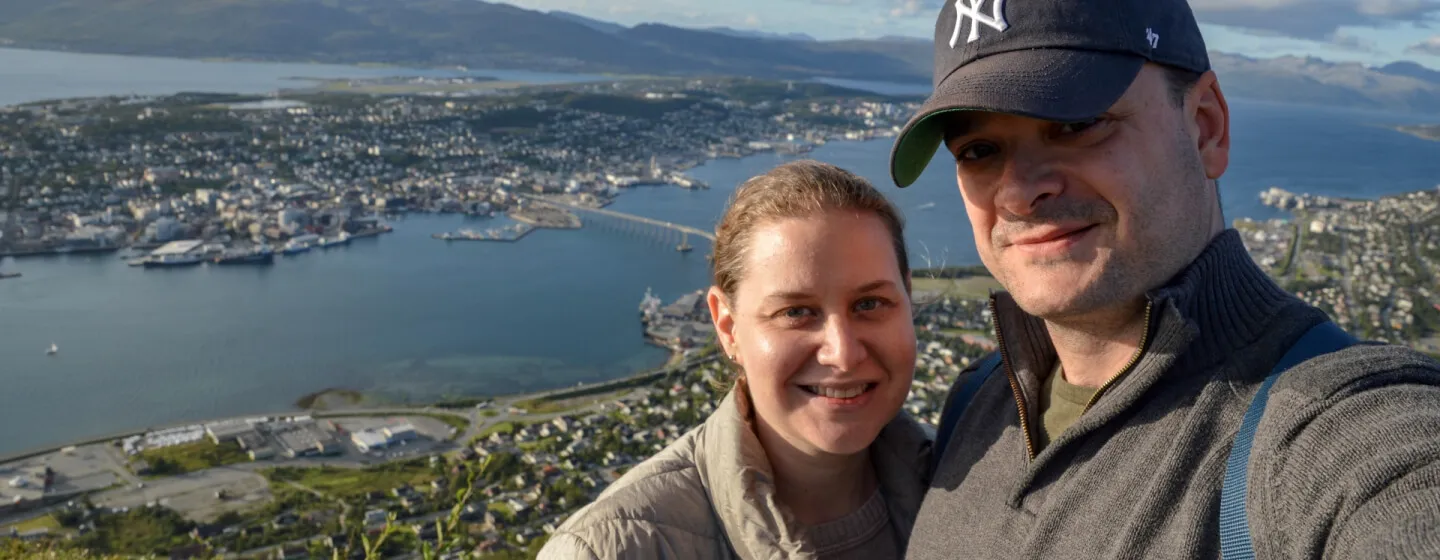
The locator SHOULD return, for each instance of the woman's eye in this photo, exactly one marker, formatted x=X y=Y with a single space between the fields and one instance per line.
x=795 y=313
x=868 y=304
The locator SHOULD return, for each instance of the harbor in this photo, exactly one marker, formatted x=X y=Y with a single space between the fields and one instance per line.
x=679 y=326
x=226 y=252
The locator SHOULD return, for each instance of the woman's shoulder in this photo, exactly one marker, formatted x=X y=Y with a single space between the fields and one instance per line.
x=659 y=509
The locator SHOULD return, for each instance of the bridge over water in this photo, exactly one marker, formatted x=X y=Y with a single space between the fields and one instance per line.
x=683 y=230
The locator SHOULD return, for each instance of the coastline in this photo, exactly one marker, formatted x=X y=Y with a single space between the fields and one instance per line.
x=676 y=360
x=290 y=409
x=775 y=145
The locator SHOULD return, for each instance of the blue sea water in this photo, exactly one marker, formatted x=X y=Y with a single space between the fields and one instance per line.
x=414 y=317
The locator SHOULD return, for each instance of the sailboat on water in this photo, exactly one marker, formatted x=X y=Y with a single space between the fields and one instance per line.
x=54 y=349
x=3 y=274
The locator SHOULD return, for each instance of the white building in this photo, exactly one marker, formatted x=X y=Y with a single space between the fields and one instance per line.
x=400 y=432
x=366 y=440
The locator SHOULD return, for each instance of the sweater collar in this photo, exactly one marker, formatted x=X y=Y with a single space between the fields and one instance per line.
x=1220 y=302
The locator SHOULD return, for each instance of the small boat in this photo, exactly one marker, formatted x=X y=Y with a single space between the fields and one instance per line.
x=926 y=206
x=4 y=275
x=54 y=349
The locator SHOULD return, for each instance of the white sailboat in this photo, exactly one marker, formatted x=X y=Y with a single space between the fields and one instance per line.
x=53 y=349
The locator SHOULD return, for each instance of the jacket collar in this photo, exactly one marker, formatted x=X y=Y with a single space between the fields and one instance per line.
x=736 y=472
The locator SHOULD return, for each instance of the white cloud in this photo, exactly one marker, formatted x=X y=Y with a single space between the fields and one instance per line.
x=1311 y=19
x=905 y=8
x=1430 y=46
x=1352 y=42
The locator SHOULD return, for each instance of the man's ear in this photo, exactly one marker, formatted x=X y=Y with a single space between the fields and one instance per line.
x=1211 y=119
x=724 y=319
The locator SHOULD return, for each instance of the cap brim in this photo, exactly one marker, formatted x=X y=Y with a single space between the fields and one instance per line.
x=1061 y=85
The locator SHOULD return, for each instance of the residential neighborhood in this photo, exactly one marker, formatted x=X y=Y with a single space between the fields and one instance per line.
x=1369 y=263
x=235 y=175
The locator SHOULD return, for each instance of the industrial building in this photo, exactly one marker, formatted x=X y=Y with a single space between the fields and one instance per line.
x=368 y=440
x=230 y=430
x=380 y=438
x=305 y=439
x=400 y=432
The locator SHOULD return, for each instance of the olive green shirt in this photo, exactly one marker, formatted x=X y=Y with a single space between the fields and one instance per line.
x=1062 y=404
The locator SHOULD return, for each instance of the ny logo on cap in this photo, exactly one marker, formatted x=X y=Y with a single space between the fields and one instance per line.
x=971 y=8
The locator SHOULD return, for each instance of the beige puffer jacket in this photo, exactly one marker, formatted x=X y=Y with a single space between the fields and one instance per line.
x=711 y=495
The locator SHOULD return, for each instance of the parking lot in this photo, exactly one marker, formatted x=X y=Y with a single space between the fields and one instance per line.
x=77 y=469
x=194 y=494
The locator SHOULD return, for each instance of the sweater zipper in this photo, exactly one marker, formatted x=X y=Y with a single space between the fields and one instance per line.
x=1144 y=339
x=1014 y=383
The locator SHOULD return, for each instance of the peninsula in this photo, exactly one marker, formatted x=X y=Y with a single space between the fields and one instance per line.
x=231 y=176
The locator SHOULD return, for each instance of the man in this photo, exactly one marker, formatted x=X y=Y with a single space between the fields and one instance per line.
x=1135 y=331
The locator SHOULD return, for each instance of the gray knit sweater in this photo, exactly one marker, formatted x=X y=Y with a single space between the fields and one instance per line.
x=1346 y=462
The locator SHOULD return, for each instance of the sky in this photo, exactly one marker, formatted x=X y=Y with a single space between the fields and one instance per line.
x=1372 y=32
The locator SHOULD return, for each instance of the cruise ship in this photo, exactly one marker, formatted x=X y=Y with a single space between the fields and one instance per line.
x=173 y=260
x=300 y=244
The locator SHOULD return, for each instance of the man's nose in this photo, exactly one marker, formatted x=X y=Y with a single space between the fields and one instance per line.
x=1030 y=177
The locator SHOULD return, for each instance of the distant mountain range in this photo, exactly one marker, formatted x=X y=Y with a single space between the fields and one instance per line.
x=426 y=32
x=1399 y=86
x=490 y=35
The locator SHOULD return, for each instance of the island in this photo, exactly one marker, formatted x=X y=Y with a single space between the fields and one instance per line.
x=195 y=178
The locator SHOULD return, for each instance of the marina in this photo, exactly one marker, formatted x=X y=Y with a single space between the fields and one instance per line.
x=191 y=252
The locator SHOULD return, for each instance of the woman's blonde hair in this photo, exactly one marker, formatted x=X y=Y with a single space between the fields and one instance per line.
x=796 y=190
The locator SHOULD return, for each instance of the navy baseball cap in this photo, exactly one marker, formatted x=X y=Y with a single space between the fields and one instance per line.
x=1057 y=60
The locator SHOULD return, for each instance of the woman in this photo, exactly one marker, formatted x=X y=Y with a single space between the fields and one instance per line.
x=806 y=456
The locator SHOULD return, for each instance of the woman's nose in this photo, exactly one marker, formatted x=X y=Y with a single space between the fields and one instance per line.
x=841 y=348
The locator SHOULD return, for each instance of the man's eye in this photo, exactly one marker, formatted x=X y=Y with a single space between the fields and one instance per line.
x=1078 y=126
x=976 y=151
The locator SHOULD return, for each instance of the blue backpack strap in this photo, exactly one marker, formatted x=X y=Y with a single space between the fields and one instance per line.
x=1235 y=540
x=956 y=403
